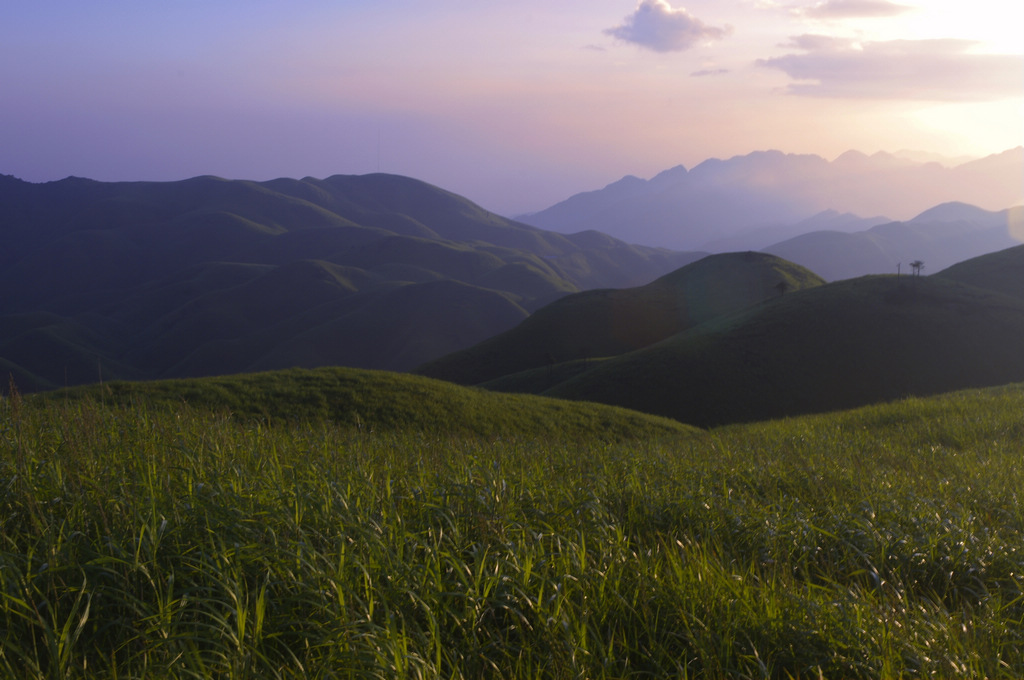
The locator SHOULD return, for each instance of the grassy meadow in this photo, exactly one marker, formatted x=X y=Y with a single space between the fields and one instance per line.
x=163 y=537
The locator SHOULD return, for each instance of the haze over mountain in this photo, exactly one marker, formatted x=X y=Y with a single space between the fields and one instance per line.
x=939 y=237
x=726 y=202
x=208 y=276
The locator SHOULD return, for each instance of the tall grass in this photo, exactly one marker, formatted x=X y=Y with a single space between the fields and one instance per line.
x=159 y=541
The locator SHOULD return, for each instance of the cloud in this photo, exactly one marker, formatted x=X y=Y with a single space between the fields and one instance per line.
x=818 y=43
x=924 y=70
x=655 y=25
x=853 y=9
x=710 y=72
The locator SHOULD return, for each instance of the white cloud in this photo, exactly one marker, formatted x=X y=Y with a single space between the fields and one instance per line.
x=924 y=70
x=853 y=9
x=657 y=26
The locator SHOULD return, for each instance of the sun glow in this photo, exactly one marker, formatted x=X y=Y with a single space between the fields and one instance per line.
x=976 y=128
x=994 y=24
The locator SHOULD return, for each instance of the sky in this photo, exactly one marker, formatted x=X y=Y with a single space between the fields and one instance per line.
x=513 y=105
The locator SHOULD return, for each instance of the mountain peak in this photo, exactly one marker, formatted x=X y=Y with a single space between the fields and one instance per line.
x=851 y=156
x=951 y=211
x=672 y=174
x=627 y=182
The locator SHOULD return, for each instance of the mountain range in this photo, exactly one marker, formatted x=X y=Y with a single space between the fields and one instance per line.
x=749 y=202
x=101 y=281
x=143 y=280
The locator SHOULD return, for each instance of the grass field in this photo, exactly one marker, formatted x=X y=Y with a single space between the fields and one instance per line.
x=147 y=537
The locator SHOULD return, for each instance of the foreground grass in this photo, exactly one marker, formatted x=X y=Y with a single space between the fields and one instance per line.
x=160 y=541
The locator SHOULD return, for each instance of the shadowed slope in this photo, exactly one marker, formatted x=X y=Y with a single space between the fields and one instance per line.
x=603 y=323
x=837 y=346
x=1002 y=271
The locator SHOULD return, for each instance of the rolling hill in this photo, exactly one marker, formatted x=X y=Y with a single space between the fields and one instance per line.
x=841 y=345
x=602 y=323
x=143 y=280
x=817 y=349
x=381 y=401
x=1002 y=271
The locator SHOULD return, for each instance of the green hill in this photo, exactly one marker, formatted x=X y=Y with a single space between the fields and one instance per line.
x=1001 y=271
x=602 y=323
x=837 y=346
x=379 y=401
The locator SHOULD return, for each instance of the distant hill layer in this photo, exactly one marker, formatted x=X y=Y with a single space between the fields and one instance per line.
x=209 y=276
x=939 y=237
x=734 y=202
x=829 y=347
x=379 y=401
x=603 y=323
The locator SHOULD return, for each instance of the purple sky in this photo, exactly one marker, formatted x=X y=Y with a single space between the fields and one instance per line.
x=514 y=105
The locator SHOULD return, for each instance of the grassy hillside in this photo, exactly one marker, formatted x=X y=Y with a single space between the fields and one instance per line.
x=845 y=344
x=378 y=401
x=1002 y=271
x=601 y=323
x=143 y=538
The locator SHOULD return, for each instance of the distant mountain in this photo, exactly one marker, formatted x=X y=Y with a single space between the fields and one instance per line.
x=917 y=156
x=940 y=237
x=835 y=346
x=205 y=276
x=761 y=237
x=603 y=323
x=719 y=200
